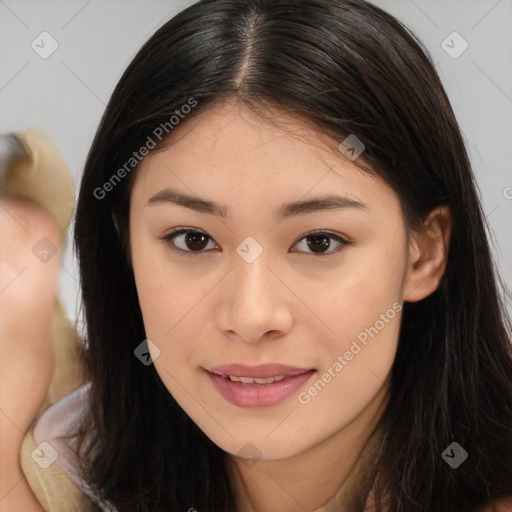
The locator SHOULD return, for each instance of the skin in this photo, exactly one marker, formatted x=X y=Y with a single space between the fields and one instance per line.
x=27 y=291
x=288 y=306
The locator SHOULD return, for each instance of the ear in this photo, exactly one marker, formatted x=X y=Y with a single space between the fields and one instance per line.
x=428 y=255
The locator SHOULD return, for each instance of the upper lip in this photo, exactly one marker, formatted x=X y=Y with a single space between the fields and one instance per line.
x=258 y=372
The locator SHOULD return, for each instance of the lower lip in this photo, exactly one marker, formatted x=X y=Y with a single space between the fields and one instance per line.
x=253 y=396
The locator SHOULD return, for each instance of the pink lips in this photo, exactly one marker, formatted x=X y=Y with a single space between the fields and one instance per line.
x=254 y=395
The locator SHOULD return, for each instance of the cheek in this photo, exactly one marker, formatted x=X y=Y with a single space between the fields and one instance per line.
x=362 y=310
x=163 y=289
x=363 y=292
x=153 y=290
x=170 y=301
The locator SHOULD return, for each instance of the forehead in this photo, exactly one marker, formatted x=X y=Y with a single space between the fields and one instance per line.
x=229 y=150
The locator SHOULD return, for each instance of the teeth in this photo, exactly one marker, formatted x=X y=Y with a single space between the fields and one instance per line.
x=249 y=380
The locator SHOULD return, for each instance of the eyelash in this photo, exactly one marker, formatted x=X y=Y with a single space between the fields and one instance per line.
x=167 y=239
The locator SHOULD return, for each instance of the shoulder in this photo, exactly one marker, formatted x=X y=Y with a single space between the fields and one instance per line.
x=55 y=449
x=55 y=423
x=47 y=458
x=51 y=434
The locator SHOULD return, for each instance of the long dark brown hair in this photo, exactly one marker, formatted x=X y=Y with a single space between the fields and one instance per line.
x=347 y=67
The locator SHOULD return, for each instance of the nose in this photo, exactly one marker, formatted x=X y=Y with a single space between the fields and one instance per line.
x=256 y=304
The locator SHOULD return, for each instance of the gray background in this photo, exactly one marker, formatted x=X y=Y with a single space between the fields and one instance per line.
x=66 y=93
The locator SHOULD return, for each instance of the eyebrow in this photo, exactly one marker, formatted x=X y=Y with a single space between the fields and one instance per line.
x=315 y=204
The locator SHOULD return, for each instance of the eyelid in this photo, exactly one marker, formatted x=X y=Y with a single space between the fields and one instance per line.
x=168 y=237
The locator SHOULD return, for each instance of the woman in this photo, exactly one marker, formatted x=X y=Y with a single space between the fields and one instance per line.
x=279 y=190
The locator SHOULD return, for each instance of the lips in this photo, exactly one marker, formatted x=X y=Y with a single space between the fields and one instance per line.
x=265 y=371
x=239 y=385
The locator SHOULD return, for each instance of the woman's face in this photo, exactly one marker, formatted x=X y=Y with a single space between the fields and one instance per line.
x=249 y=285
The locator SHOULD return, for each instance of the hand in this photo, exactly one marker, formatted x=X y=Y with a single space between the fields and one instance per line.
x=29 y=262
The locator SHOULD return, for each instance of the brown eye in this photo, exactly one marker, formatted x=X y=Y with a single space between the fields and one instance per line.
x=192 y=241
x=319 y=242
x=195 y=241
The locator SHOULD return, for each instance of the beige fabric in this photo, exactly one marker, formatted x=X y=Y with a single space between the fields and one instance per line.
x=42 y=176
x=53 y=488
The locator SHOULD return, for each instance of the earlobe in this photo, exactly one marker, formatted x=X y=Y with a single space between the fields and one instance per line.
x=428 y=255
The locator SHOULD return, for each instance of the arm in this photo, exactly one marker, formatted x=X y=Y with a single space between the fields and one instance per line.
x=27 y=295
